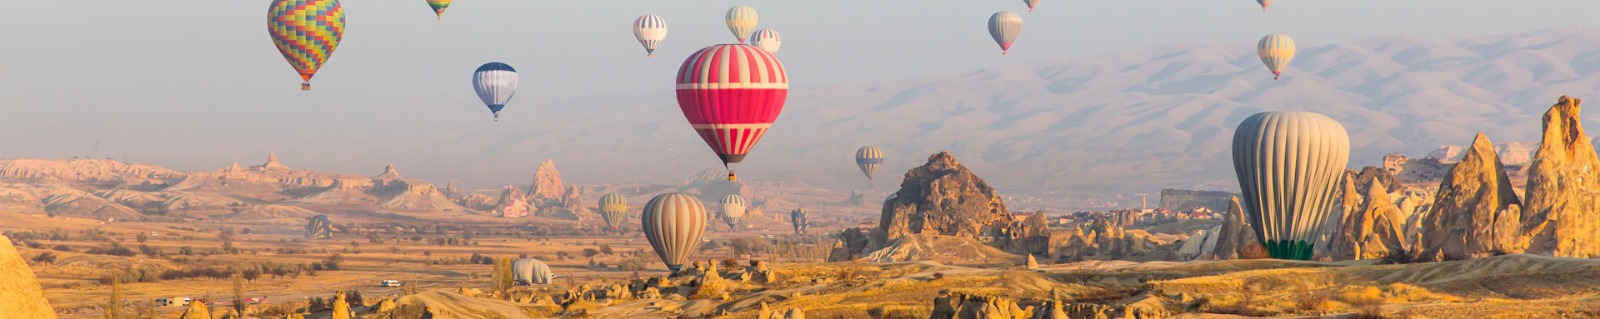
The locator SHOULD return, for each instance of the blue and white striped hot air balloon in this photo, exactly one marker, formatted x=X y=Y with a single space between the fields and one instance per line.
x=651 y=30
x=741 y=21
x=1276 y=51
x=495 y=82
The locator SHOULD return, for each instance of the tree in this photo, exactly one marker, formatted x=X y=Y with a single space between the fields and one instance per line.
x=502 y=276
x=238 y=290
x=114 y=307
x=45 y=258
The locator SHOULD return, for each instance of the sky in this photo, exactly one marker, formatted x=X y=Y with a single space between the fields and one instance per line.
x=197 y=84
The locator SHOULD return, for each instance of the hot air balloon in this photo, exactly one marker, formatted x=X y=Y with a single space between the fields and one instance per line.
x=731 y=94
x=1264 y=4
x=1035 y=3
x=733 y=207
x=651 y=30
x=495 y=82
x=1289 y=165
x=306 y=32
x=529 y=271
x=613 y=208
x=742 y=20
x=767 y=40
x=869 y=159
x=801 y=220
x=1276 y=50
x=1005 y=26
x=674 y=224
x=438 y=7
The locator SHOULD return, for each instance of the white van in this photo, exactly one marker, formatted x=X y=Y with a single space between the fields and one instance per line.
x=389 y=283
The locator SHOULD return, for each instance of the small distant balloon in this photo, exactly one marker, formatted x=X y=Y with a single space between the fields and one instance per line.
x=495 y=83
x=306 y=32
x=1005 y=26
x=741 y=21
x=733 y=209
x=650 y=29
x=1264 y=4
x=1276 y=50
x=1035 y=3
x=869 y=159
x=438 y=7
x=614 y=209
x=767 y=40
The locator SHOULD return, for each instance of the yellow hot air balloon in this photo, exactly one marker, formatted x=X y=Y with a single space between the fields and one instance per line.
x=1276 y=50
x=306 y=32
x=741 y=21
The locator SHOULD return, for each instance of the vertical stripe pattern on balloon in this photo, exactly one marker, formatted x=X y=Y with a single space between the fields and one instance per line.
x=650 y=29
x=768 y=40
x=439 y=6
x=1289 y=164
x=1031 y=4
x=306 y=32
x=733 y=209
x=1005 y=26
x=741 y=21
x=1276 y=50
x=869 y=159
x=674 y=224
x=614 y=209
x=731 y=94
x=495 y=83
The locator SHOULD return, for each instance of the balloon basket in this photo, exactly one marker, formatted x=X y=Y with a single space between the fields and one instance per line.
x=305 y=86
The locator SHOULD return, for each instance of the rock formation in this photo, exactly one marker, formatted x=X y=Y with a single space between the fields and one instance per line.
x=1373 y=232
x=944 y=198
x=1234 y=234
x=1032 y=264
x=1561 y=214
x=341 y=307
x=1368 y=174
x=1475 y=213
x=949 y=305
x=272 y=163
x=546 y=183
x=19 y=290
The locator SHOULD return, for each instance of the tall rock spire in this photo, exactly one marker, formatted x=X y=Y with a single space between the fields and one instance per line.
x=1476 y=213
x=1561 y=214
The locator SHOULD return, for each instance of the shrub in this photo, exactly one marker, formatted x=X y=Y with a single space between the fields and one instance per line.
x=45 y=258
x=62 y=247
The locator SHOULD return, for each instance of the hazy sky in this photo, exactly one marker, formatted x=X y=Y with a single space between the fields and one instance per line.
x=196 y=84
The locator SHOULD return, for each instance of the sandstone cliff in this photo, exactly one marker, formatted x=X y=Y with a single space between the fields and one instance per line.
x=1374 y=231
x=19 y=290
x=1561 y=214
x=1475 y=213
x=546 y=183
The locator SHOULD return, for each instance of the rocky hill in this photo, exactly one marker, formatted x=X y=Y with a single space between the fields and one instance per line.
x=20 y=290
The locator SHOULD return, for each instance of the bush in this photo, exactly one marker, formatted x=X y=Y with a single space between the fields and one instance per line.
x=62 y=247
x=899 y=312
x=45 y=258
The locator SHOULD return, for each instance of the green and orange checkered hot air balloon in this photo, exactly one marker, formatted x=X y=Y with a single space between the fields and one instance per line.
x=306 y=32
x=438 y=7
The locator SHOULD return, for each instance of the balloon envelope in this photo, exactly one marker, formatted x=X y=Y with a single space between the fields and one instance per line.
x=1289 y=164
x=1005 y=26
x=495 y=83
x=674 y=224
x=741 y=21
x=438 y=7
x=1035 y=3
x=650 y=29
x=733 y=208
x=529 y=271
x=869 y=159
x=306 y=32
x=768 y=40
x=613 y=209
x=801 y=220
x=1276 y=50
x=1264 y=4
x=731 y=94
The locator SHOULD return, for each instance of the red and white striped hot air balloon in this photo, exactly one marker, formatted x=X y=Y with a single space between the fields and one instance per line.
x=731 y=94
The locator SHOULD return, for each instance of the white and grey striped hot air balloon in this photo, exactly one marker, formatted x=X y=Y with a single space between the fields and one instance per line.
x=1289 y=165
x=495 y=83
x=733 y=208
x=674 y=224
x=529 y=271
x=1276 y=50
x=767 y=39
x=613 y=209
x=869 y=159
x=650 y=29
x=741 y=21
x=1005 y=26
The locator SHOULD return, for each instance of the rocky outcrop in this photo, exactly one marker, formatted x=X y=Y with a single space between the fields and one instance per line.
x=413 y=195
x=1368 y=174
x=19 y=289
x=71 y=202
x=1561 y=214
x=546 y=183
x=341 y=307
x=569 y=207
x=1102 y=240
x=949 y=305
x=95 y=171
x=1374 y=231
x=480 y=202
x=1475 y=212
x=1234 y=234
x=197 y=310
x=388 y=173
x=272 y=163
x=943 y=197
